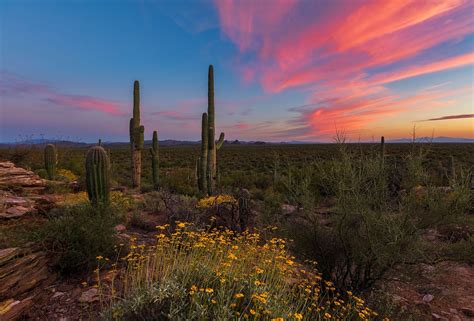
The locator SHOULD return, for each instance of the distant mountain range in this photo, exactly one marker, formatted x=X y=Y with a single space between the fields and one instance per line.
x=172 y=142
x=440 y=139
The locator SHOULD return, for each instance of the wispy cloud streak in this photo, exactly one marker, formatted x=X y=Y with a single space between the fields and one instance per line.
x=15 y=86
x=450 y=117
x=345 y=53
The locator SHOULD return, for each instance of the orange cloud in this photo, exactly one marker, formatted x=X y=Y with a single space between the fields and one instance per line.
x=333 y=52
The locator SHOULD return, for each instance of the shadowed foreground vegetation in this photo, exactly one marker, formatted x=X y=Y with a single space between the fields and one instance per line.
x=355 y=210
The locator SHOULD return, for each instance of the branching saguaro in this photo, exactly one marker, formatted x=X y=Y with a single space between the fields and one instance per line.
x=207 y=164
x=136 y=137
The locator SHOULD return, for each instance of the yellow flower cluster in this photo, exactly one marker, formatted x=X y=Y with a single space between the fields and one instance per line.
x=68 y=174
x=234 y=276
x=216 y=200
x=116 y=198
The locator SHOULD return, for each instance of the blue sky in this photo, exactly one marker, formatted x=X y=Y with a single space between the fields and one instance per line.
x=284 y=70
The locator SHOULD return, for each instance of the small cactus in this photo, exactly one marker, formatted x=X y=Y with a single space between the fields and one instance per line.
x=50 y=160
x=155 y=160
x=97 y=175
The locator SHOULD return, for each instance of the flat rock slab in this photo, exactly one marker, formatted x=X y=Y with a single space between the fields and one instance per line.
x=20 y=178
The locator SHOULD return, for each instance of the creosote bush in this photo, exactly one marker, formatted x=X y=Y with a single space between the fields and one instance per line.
x=217 y=274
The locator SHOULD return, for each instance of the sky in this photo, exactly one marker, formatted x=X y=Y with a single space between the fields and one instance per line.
x=284 y=70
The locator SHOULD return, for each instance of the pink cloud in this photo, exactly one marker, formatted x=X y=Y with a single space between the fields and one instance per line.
x=413 y=71
x=331 y=49
x=14 y=85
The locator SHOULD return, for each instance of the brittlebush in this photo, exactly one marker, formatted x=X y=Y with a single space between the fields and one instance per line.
x=199 y=274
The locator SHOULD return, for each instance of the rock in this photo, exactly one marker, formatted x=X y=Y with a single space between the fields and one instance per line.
x=467 y=312
x=428 y=298
x=288 y=209
x=12 y=309
x=89 y=296
x=57 y=295
x=22 y=270
x=20 y=179
x=120 y=228
x=438 y=317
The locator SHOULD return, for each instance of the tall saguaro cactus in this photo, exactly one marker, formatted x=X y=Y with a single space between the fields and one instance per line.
x=97 y=175
x=155 y=160
x=136 y=137
x=50 y=160
x=213 y=146
x=202 y=162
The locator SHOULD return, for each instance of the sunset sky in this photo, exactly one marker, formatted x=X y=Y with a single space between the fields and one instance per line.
x=284 y=69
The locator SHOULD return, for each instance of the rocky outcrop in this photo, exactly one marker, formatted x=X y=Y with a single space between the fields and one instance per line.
x=21 y=192
x=20 y=180
x=23 y=273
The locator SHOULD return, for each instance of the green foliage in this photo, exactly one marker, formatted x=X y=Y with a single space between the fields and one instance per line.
x=370 y=226
x=50 y=160
x=76 y=235
x=97 y=175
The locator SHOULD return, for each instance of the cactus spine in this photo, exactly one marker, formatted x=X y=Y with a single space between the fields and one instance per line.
x=202 y=162
x=136 y=137
x=97 y=175
x=213 y=146
x=50 y=160
x=155 y=160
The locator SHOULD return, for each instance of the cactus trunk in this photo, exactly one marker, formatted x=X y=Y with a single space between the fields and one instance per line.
x=50 y=160
x=155 y=160
x=136 y=137
x=213 y=146
x=97 y=175
x=202 y=166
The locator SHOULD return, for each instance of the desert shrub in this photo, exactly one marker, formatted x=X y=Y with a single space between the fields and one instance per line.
x=76 y=235
x=174 y=206
x=364 y=235
x=200 y=274
x=375 y=222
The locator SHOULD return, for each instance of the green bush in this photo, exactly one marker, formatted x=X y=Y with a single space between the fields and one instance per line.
x=76 y=235
x=372 y=225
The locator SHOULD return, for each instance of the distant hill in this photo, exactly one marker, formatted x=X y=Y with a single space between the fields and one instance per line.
x=440 y=139
x=172 y=142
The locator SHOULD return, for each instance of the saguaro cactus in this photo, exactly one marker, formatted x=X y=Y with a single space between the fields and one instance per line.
x=97 y=175
x=202 y=162
x=136 y=137
x=382 y=146
x=155 y=160
x=213 y=146
x=50 y=160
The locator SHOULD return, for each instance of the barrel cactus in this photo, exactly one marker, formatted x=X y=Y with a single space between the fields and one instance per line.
x=155 y=160
x=97 y=175
x=136 y=137
x=50 y=160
